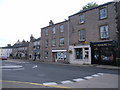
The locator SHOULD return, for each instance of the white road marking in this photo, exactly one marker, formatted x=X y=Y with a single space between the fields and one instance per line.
x=50 y=83
x=88 y=77
x=35 y=66
x=101 y=73
x=67 y=81
x=14 y=69
x=95 y=75
x=10 y=66
x=78 y=79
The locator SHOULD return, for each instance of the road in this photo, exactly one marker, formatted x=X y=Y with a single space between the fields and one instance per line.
x=25 y=74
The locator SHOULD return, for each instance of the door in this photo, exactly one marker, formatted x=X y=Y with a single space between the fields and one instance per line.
x=86 y=54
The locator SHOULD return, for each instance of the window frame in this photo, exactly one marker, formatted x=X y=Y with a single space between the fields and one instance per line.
x=83 y=35
x=46 y=54
x=106 y=15
x=81 y=19
x=107 y=31
x=54 y=43
x=61 y=28
x=62 y=42
x=53 y=30
x=46 y=32
x=46 y=43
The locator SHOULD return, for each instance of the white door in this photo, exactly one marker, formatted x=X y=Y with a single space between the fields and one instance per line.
x=86 y=54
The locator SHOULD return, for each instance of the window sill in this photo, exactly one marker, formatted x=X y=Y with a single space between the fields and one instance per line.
x=82 y=40
x=102 y=18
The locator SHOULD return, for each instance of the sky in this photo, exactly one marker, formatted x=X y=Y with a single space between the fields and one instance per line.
x=21 y=18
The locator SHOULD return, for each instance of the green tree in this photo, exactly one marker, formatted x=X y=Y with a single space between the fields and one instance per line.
x=89 y=5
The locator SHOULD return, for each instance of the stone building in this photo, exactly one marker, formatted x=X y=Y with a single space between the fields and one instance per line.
x=34 y=48
x=93 y=35
x=6 y=51
x=54 y=42
x=20 y=50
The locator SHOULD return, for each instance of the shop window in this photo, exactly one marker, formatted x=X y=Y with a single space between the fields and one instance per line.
x=107 y=54
x=79 y=53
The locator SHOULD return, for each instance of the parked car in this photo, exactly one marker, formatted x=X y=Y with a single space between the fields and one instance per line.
x=4 y=58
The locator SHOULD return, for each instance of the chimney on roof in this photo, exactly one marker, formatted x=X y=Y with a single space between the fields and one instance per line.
x=31 y=37
x=51 y=22
x=8 y=45
x=23 y=41
x=18 y=42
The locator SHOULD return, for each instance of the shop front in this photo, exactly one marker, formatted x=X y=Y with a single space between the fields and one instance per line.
x=103 y=52
x=80 y=54
x=59 y=55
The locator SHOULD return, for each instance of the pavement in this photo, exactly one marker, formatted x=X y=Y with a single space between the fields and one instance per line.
x=111 y=67
x=96 y=82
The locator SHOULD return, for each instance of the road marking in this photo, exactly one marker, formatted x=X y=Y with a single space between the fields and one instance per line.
x=78 y=79
x=95 y=75
x=35 y=66
x=11 y=66
x=67 y=81
x=50 y=83
x=14 y=69
x=101 y=73
x=53 y=86
x=88 y=77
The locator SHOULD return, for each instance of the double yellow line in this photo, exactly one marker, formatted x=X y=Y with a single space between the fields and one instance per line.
x=53 y=86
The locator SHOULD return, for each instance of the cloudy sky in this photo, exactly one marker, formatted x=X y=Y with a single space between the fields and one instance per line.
x=21 y=18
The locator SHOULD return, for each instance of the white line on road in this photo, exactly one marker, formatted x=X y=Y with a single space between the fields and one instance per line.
x=95 y=75
x=50 y=83
x=14 y=69
x=88 y=77
x=10 y=66
x=101 y=73
x=67 y=81
x=78 y=79
x=35 y=66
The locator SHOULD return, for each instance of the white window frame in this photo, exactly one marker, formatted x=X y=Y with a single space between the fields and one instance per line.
x=61 y=28
x=46 y=31
x=53 y=42
x=82 y=19
x=104 y=33
x=82 y=35
x=46 y=43
x=53 y=30
x=103 y=13
x=62 y=41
